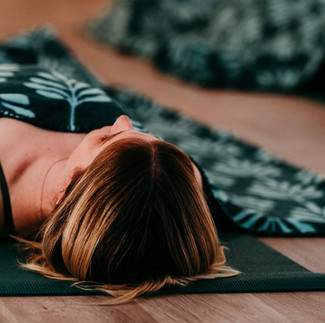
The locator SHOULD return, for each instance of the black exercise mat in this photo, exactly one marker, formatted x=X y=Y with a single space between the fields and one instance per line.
x=291 y=203
x=263 y=269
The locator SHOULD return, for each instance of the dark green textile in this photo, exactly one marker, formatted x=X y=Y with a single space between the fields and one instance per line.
x=270 y=45
x=45 y=85
x=263 y=269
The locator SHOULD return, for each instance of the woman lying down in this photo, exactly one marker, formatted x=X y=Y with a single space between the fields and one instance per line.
x=114 y=207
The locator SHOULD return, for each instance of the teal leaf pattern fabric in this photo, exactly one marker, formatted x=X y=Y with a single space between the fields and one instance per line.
x=15 y=102
x=54 y=85
x=258 y=192
x=7 y=70
x=49 y=99
x=269 y=45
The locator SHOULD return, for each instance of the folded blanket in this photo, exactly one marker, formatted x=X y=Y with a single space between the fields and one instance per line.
x=258 y=192
x=273 y=45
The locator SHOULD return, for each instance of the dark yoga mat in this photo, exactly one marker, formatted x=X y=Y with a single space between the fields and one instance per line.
x=263 y=269
x=259 y=193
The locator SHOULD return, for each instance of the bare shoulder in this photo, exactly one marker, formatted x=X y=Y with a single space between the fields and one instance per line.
x=25 y=153
x=22 y=145
x=23 y=134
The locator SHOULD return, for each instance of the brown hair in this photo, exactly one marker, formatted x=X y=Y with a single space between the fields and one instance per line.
x=134 y=221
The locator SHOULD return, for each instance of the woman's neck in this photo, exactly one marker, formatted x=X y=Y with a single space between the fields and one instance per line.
x=53 y=184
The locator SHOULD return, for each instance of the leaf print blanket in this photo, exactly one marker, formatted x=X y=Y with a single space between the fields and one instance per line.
x=269 y=45
x=257 y=192
x=35 y=94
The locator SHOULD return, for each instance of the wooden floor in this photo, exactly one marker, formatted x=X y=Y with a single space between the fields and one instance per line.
x=291 y=128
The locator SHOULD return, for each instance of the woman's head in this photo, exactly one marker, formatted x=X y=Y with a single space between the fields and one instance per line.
x=134 y=220
x=97 y=140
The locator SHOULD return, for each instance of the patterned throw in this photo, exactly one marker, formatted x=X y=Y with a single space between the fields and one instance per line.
x=274 y=45
x=258 y=192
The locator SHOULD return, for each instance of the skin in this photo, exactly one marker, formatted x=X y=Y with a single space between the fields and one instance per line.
x=97 y=140
x=38 y=173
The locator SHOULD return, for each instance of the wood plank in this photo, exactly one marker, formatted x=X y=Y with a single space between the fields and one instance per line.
x=292 y=128
x=271 y=307
x=308 y=252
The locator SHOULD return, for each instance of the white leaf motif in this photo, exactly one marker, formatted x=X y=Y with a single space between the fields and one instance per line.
x=9 y=67
x=46 y=89
x=302 y=227
x=18 y=110
x=45 y=82
x=80 y=85
x=310 y=211
x=47 y=76
x=253 y=203
x=60 y=77
x=54 y=85
x=15 y=98
x=91 y=91
x=283 y=190
x=99 y=98
x=51 y=95
x=307 y=177
x=220 y=195
x=244 y=168
x=6 y=74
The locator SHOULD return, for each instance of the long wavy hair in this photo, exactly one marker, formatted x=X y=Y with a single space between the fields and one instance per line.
x=131 y=223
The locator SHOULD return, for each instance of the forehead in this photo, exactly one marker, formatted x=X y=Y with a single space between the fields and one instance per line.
x=131 y=134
